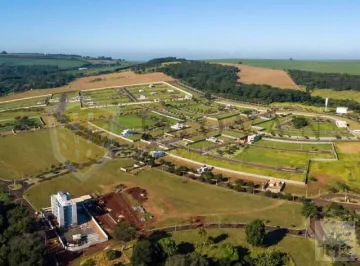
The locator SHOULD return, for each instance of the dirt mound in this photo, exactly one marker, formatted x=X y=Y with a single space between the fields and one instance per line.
x=259 y=75
x=138 y=193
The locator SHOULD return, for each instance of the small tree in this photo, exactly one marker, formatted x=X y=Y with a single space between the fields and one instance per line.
x=144 y=253
x=113 y=254
x=309 y=209
x=271 y=258
x=255 y=233
x=124 y=232
x=168 y=246
x=229 y=253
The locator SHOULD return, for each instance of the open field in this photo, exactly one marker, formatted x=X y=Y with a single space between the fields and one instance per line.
x=237 y=166
x=204 y=144
x=260 y=75
x=295 y=146
x=40 y=60
x=33 y=152
x=340 y=95
x=331 y=66
x=23 y=103
x=100 y=81
x=345 y=170
x=173 y=201
x=289 y=244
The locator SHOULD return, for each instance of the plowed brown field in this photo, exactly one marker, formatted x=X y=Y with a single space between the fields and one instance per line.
x=259 y=75
x=92 y=82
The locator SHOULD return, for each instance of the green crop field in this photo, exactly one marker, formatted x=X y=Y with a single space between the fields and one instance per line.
x=33 y=152
x=333 y=66
x=237 y=166
x=171 y=199
x=34 y=60
x=289 y=244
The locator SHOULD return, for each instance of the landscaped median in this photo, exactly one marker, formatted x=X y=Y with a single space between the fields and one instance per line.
x=246 y=170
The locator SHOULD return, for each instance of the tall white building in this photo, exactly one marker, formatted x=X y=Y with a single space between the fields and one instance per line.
x=65 y=209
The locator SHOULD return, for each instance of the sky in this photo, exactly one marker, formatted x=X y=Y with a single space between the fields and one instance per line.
x=194 y=29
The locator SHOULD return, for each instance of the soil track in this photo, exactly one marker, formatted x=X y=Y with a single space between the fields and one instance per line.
x=259 y=75
x=92 y=82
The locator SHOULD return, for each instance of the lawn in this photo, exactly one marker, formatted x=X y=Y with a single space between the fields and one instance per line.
x=202 y=145
x=301 y=250
x=293 y=145
x=324 y=66
x=33 y=152
x=133 y=121
x=172 y=200
x=236 y=166
x=340 y=95
x=17 y=104
x=278 y=158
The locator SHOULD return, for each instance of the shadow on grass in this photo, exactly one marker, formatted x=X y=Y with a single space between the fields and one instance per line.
x=275 y=236
x=186 y=247
x=220 y=238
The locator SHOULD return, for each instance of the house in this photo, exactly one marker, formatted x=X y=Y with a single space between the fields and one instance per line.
x=151 y=86
x=82 y=68
x=142 y=97
x=212 y=139
x=204 y=169
x=252 y=138
x=170 y=91
x=157 y=154
x=153 y=93
x=341 y=110
x=178 y=126
x=188 y=96
x=341 y=123
x=127 y=132
x=141 y=90
x=275 y=186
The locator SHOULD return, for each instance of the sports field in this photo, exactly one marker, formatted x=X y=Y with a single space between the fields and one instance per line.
x=289 y=244
x=331 y=66
x=173 y=201
x=33 y=153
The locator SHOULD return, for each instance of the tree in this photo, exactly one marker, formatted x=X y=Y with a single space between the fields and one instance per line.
x=255 y=233
x=192 y=259
x=144 y=253
x=124 y=232
x=309 y=209
x=270 y=258
x=113 y=254
x=168 y=246
x=3 y=52
x=299 y=122
x=229 y=253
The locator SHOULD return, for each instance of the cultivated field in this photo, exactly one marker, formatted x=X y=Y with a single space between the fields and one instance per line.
x=33 y=153
x=260 y=75
x=336 y=66
x=173 y=201
x=100 y=81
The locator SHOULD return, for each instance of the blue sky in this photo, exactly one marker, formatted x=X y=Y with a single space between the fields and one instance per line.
x=142 y=29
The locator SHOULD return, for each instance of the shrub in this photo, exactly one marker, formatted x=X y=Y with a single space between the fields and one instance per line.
x=113 y=254
x=313 y=178
x=89 y=262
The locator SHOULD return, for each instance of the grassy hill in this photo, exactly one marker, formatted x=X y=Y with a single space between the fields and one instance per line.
x=324 y=66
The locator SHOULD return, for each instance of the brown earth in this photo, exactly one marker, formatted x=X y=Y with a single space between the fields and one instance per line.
x=259 y=75
x=92 y=82
x=349 y=147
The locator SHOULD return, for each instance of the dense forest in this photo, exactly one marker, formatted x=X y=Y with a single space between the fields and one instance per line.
x=23 y=78
x=222 y=80
x=315 y=80
x=20 y=243
x=153 y=64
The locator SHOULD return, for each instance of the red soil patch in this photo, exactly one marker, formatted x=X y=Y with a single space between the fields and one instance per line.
x=138 y=194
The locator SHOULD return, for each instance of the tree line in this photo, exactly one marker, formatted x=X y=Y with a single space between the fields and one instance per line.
x=315 y=80
x=222 y=80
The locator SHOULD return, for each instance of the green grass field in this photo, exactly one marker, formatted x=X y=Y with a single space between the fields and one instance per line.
x=289 y=244
x=22 y=103
x=202 y=145
x=34 y=60
x=173 y=201
x=292 y=145
x=340 y=95
x=33 y=152
x=133 y=121
x=237 y=166
x=331 y=66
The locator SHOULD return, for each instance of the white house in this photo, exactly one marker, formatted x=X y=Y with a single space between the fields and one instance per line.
x=341 y=123
x=188 y=96
x=204 y=169
x=341 y=110
x=127 y=132
x=212 y=139
x=170 y=91
x=252 y=138
x=141 y=90
x=142 y=97
x=153 y=93
x=178 y=126
x=151 y=86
